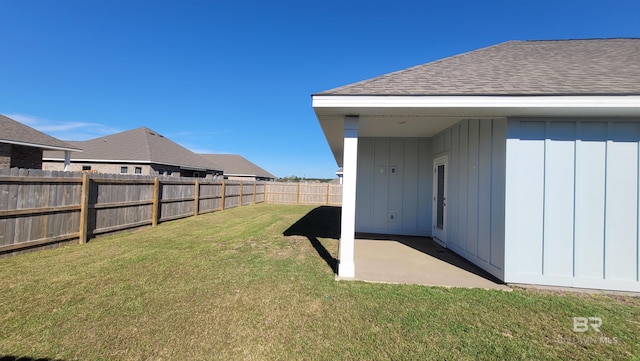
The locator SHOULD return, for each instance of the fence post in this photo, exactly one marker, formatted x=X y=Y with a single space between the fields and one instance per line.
x=298 y=196
x=265 y=198
x=84 y=208
x=328 y=193
x=241 y=189
x=224 y=191
x=196 y=197
x=255 y=190
x=156 y=202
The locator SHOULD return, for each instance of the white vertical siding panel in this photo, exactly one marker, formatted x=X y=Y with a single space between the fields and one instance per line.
x=396 y=157
x=559 y=199
x=498 y=176
x=529 y=188
x=512 y=254
x=472 y=196
x=453 y=197
x=438 y=144
x=590 y=196
x=446 y=141
x=407 y=194
x=472 y=209
x=463 y=191
x=410 y=185
x=621 y=233
x=590 y=186
x=364 y=189
x=425 y=185
x=484 y=190
x=381 y=183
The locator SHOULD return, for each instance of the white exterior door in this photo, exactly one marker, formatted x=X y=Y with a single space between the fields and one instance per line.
x=440 y=199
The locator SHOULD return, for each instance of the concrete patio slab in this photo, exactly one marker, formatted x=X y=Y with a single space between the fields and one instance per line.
x=416 y=260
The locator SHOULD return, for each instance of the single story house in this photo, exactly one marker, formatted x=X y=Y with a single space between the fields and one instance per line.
x=237 y=167
x=138 y=151
x=522 y=157
x=22 y=146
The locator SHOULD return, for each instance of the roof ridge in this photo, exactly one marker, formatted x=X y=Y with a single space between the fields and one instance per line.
x=148 y=148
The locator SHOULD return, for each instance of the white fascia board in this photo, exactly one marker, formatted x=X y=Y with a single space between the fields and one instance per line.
x=47 y=147
x=403 y=101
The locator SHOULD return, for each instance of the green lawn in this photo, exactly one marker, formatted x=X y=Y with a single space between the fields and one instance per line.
x=230 y=285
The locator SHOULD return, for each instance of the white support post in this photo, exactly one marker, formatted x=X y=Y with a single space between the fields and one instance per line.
x=346 y=265
x=67 y=160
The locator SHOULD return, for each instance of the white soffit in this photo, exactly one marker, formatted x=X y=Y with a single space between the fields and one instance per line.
x=425 y=116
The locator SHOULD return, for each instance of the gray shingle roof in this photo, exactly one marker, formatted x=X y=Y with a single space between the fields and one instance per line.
x=557 y=67
x=140 y=144
x=15 y=132
x=235 y=164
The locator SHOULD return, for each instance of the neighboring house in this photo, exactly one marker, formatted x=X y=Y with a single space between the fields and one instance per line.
x=339 y=173
x=236 y=167
x=521 y=157
x=22 y=146
x=137 y=151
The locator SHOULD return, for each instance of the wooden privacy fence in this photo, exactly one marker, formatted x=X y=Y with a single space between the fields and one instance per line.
x=45 y=209
x=304 y=193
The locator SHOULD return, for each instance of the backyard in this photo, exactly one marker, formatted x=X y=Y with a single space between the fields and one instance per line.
x=256 y=283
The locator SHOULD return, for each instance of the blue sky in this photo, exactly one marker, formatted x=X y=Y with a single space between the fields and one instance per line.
x=223 y=76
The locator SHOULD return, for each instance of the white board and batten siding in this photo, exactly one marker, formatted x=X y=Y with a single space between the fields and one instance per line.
x=394 y=186
x=572 y=203
x=475 y=150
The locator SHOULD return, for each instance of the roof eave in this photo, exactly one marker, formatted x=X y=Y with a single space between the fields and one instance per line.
x=41 y=146
x=482 y=101
x=132 y=161
x=440 y=112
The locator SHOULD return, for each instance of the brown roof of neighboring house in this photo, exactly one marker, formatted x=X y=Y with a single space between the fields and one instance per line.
x=237 y=165
x=556 y=67
x=14 y=132
x=137 y=145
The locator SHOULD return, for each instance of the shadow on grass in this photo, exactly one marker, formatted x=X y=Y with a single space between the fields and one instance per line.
x=323 y=222
x=22 y=358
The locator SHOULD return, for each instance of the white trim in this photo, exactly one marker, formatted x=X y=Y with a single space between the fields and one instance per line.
x=346 y=265
x=67 y=160
x=440 y=236
x=480 y=101
x=41 y=146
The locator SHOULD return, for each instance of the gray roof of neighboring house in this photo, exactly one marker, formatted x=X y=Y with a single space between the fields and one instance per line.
x=235 y=164
x=137 y=145
x=14 y=132
x=556 y=67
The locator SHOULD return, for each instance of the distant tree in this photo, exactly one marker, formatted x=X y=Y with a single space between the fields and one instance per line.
x=296 y=179
x=289 y=179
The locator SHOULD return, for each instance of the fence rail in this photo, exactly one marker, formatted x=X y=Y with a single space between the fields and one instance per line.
x=46 y=209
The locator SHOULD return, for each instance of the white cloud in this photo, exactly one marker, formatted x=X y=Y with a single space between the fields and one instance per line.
x=64 y=130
